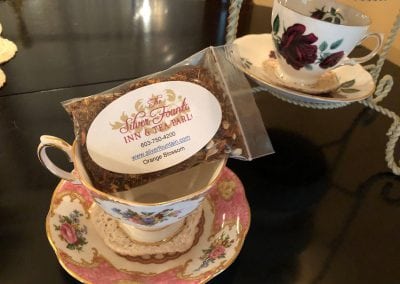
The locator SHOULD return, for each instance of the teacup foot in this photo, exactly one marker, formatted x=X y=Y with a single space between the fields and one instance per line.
x=153 y=237
x=328 y=82
x=124 y=241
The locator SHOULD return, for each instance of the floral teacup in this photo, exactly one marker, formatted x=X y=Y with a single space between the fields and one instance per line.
x=160 y=206
x=312 y=37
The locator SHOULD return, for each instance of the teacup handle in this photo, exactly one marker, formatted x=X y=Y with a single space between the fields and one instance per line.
x=379 y=40
x=47 y=141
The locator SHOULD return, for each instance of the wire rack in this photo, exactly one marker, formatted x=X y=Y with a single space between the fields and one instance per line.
x=383 y=85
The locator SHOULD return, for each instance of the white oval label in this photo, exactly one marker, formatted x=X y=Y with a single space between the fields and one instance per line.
x=153 y=127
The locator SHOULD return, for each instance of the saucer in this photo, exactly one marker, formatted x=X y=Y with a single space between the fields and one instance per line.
x=355 y=83
x=83 y=253
x=327 y=83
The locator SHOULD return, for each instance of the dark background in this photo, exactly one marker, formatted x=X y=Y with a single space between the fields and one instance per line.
x=325 y=207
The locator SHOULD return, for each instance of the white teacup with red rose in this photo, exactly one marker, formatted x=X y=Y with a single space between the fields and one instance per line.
x=312 y=37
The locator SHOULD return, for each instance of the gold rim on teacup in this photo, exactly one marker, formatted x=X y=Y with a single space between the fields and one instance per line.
x=342 y=6
x=145 y=219
x=79 y=173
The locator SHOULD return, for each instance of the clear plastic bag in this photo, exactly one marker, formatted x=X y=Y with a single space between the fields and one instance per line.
x=239 y=134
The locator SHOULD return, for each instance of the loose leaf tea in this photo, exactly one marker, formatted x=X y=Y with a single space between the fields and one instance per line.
x=229 y=140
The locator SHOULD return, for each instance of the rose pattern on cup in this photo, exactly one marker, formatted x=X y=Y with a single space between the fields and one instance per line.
x=146 y=218
x=71 y=231
x=216 y=250
x=327 y=58
x=330 y=15
x=296 y=47
x=299 y=49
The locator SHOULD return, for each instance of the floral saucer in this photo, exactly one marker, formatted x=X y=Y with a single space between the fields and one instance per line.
x=83 y=254
x=355 y=83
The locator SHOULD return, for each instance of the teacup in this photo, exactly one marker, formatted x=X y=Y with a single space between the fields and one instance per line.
x=312 y=37
x=159 y=206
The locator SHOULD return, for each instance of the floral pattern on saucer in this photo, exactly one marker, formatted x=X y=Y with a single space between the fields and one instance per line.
x=72 y=231
x=217 y=250
x=355 y=83
x=226 y=223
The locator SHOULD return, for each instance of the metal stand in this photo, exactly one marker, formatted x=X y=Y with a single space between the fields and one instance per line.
x=384 y=85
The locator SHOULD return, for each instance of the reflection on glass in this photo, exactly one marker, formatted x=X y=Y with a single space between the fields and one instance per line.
x=22 y=28
x=151 y=15
x=169 y=58
x=144 y=14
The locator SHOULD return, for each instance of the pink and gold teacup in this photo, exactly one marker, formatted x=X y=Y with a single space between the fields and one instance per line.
x=152 y=212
